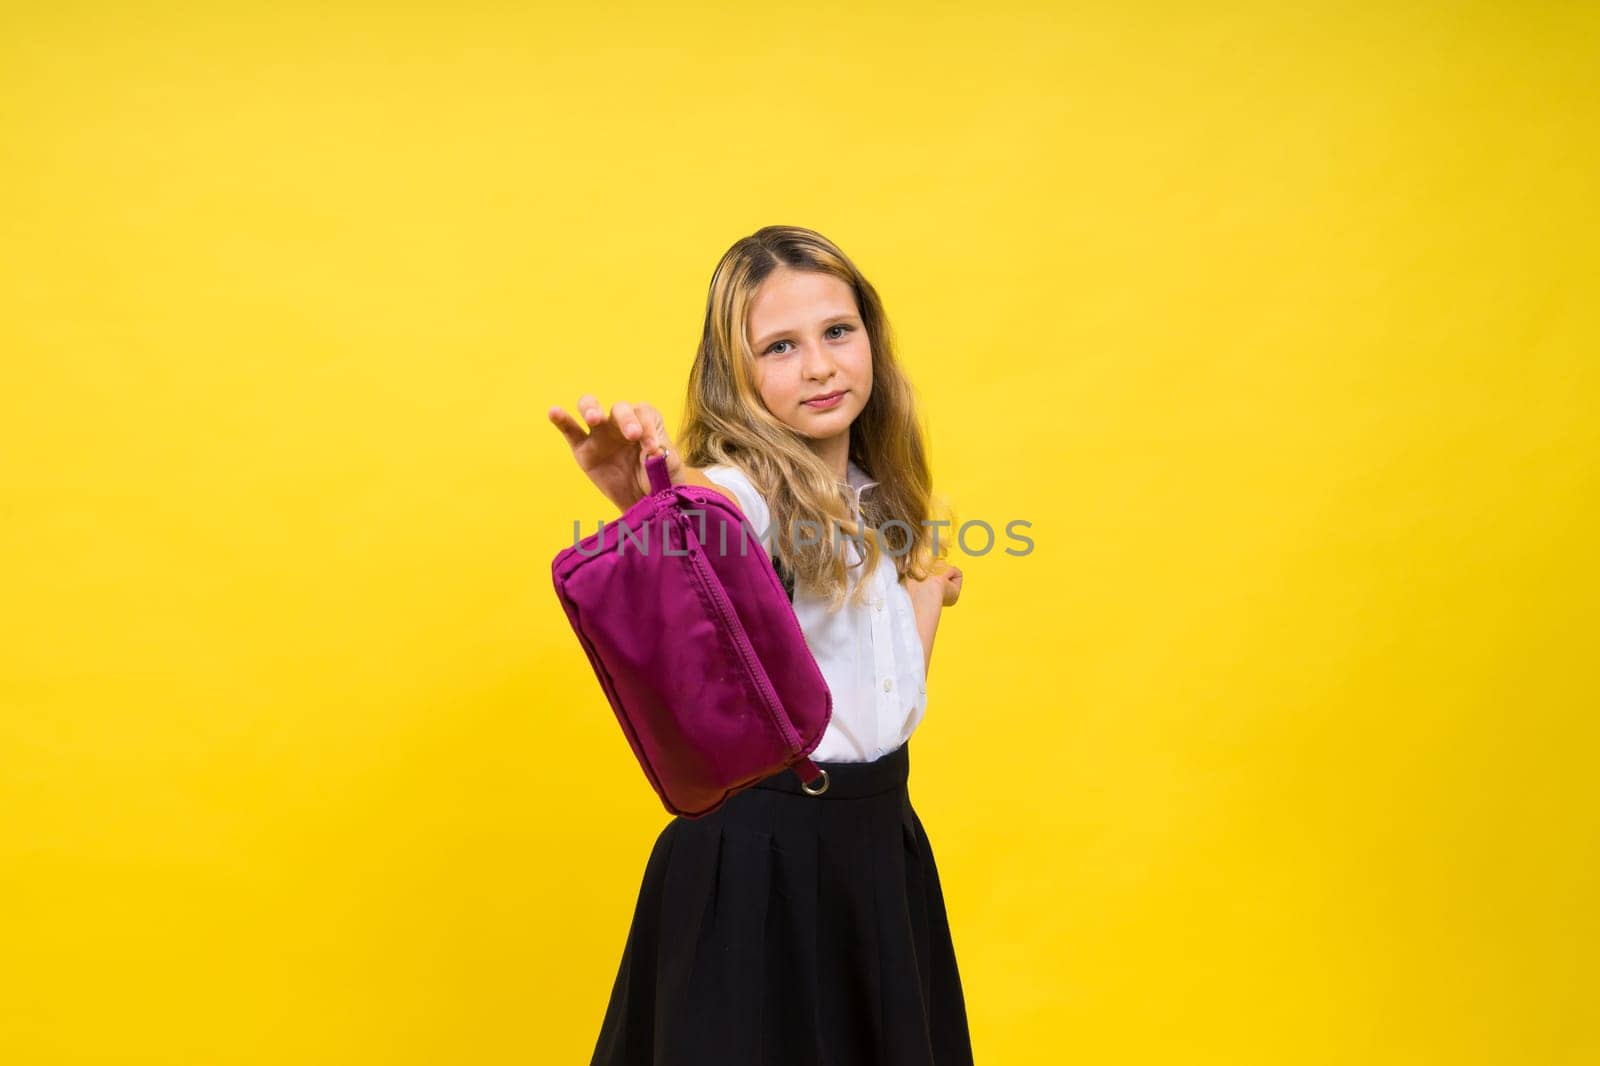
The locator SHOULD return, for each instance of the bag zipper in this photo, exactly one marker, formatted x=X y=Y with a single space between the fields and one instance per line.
x=735 y=629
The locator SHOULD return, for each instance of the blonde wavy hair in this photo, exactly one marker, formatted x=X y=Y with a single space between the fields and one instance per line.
x=725 y=422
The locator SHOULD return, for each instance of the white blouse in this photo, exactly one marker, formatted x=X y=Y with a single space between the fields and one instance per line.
x=870 y=656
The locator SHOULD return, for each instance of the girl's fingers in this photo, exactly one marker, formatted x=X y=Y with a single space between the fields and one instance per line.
x=654 y=427
x=635 y=422
x=627 y=422
x=568 y=426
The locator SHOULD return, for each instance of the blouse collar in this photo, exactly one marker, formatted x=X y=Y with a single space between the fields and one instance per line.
x=857 y=479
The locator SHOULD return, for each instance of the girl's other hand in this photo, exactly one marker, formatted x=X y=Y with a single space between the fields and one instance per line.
x=613 y=448
x=942 y=587
x=952 y=585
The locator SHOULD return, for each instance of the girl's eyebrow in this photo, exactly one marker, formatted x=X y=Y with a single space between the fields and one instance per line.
x=775 y=334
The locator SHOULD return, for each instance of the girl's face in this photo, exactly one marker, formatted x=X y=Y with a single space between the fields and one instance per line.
x=810 y=343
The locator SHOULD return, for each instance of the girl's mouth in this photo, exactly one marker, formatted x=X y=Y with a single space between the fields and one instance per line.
x=824 y=402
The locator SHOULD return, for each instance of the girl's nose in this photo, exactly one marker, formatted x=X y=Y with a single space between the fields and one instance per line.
x=818 y=363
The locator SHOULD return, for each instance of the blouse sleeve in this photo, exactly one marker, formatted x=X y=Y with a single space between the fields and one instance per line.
x=750 y=501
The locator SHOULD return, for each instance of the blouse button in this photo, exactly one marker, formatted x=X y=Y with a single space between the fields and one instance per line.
x=888 y=684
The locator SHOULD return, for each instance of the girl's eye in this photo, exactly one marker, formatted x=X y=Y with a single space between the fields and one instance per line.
x=774 y=346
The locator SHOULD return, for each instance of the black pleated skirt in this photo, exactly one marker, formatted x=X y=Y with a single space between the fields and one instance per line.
x=792 y=930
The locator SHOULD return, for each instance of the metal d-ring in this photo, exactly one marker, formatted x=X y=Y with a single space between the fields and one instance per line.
x=807 y=788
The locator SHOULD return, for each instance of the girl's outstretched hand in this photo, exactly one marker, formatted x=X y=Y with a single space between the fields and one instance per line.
x=613 y=448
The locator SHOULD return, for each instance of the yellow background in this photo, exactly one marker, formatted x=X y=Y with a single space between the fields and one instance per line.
x=1279 y=326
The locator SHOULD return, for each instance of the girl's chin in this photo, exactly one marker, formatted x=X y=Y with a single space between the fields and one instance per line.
x=822 y=428
x=825 y=423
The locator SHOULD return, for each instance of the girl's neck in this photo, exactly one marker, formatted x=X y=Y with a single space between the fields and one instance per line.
x=834 y=451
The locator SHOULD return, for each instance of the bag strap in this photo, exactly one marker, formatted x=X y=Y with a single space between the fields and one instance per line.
x=660 y=479
x=809 y=772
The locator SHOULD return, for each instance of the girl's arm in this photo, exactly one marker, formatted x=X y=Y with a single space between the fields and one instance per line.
x=929 y=598
x=927 y=613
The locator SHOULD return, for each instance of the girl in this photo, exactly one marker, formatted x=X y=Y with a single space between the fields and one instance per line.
x=787 y=927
